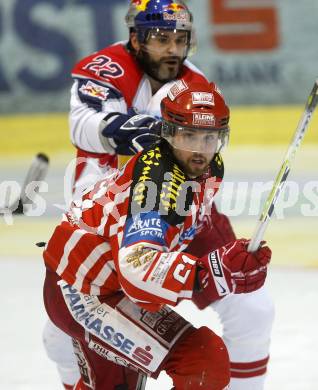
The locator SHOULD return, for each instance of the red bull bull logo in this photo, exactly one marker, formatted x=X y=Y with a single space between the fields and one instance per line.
x=141 y=5
x=174 y=7
x=94 y=90
x=175 y=12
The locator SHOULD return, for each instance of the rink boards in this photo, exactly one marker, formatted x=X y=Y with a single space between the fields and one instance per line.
x=251 y=125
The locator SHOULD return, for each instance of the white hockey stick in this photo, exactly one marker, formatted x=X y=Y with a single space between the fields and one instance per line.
x=36 y=172
x=280 y=180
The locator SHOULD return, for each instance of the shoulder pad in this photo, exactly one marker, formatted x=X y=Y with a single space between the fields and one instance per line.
x=111 y=66
x=159 y=184
x=94 y=92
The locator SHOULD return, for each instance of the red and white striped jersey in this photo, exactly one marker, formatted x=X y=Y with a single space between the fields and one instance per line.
x=129 y=231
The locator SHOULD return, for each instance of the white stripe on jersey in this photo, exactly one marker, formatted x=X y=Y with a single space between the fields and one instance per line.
x=101 y=278
x=111 y=208
x=114 y=228
x=89 y=262
x=69 y=246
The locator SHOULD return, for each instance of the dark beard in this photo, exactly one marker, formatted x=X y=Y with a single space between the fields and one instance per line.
x=152 y=68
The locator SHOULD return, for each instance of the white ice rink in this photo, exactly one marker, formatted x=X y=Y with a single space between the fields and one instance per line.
x=24 y=365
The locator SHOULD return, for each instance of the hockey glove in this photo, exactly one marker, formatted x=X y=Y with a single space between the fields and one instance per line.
x=214 y=231
x=132 y=132
x=232 y=269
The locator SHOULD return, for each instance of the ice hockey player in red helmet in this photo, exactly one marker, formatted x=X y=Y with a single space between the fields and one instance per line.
x=117 y=263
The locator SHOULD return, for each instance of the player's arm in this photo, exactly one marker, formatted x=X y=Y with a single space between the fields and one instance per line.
x=149 y=274
x=78 y=251
x=100 y=121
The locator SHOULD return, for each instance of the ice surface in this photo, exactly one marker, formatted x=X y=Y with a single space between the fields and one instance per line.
x=24 y=365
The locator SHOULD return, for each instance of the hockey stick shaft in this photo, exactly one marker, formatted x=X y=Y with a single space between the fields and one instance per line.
x=283 y=173
x=36 y=172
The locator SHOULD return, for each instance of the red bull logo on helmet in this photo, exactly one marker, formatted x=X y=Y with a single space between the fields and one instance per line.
x=175 y=12
x=141 y=5
x=174 y=7
x=182 y=17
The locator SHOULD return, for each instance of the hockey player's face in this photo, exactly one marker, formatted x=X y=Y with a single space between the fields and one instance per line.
x=163 y=54
x=194 y=164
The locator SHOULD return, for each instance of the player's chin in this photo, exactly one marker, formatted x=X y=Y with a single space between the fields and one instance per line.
x=168 y=72
x=197 y=169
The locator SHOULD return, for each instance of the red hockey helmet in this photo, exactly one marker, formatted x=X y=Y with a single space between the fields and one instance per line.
x=195 y=117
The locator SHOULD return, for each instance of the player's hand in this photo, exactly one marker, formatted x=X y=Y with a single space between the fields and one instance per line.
x=143 y=138
x=232 y=268
x=129 y=133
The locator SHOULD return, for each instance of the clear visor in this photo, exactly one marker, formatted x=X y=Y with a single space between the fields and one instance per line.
x=195 y=140
x=164 y=42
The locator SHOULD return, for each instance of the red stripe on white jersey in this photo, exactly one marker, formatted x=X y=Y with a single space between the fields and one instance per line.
x=249 y=369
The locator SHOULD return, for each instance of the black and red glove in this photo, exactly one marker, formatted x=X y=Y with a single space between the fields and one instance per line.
x=232 y=268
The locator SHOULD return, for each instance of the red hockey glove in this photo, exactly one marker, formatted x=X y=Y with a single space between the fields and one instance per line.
x=215 y=231
x=232 y=269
